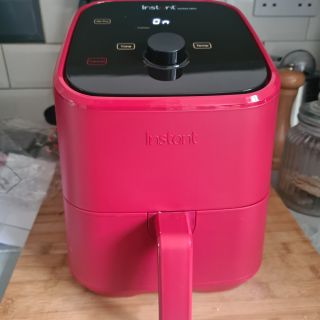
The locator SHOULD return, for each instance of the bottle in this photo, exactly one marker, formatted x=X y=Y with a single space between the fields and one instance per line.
x=299 y=178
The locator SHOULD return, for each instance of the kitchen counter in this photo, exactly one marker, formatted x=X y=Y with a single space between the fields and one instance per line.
x=286 y=287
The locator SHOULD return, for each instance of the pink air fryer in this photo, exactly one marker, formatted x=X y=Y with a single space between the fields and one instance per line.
x=166 y=113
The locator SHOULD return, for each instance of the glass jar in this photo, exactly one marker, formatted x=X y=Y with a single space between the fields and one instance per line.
x=299 y=177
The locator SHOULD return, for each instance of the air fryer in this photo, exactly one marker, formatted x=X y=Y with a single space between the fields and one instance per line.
x=166 y=115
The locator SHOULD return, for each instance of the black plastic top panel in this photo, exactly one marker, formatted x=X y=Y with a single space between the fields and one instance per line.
x=107 y=51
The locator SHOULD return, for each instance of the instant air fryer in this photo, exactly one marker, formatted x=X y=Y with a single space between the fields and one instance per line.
x=166 y=116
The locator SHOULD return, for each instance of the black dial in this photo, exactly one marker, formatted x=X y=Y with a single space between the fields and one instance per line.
x=166 y=49
x=166 y=56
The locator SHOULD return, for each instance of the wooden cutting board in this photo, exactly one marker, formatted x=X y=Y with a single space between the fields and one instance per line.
x=287 y=287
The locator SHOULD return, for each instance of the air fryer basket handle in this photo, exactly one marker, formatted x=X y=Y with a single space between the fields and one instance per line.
x=175 y=260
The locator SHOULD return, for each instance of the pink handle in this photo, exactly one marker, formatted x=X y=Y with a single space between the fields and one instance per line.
x=175 y=259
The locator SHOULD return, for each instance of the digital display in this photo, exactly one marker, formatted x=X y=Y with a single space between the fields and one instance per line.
x=159 y=22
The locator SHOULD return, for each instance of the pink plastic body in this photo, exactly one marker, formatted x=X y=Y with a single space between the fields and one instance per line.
x=115 y=254
x=187 y=174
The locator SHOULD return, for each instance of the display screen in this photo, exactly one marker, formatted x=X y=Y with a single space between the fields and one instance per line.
x=106 y=53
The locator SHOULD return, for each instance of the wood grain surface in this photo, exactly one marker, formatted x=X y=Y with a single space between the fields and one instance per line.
x=287 y=287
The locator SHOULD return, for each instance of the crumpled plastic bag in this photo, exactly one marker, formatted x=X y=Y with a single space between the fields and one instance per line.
x=28 y=156
x=23 y=137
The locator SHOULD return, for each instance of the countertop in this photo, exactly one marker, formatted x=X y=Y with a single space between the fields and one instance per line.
x=286 y=287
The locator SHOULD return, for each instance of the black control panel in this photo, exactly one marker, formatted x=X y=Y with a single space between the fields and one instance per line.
x=163 y=49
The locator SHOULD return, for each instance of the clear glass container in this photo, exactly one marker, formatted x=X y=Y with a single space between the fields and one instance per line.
x=299 y=177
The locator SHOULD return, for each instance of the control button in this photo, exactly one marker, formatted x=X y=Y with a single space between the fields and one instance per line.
x=102 y=21
x=165 y=56
x=97 y=61
x=126 y=46
x=166 y=49
x=202 y=45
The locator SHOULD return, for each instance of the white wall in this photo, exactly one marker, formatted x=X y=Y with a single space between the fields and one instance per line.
x=26 y=69
x=284 y=34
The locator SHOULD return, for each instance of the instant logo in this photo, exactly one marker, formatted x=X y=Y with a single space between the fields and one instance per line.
x=172 y=139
